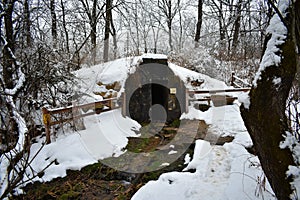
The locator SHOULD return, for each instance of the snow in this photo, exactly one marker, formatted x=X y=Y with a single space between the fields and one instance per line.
x=19 y=84
x=7 y=175
x=108 y=73
x=184 y=74
x=222 y=172
x=187 y=159
x=105 y=136
x=292 y=143
x=200 y=158
x=278 y=33
x=245 y=99
x=223 y=120
x=154 y=56
x=172 y=152
x=295 y=172
x=277 y=81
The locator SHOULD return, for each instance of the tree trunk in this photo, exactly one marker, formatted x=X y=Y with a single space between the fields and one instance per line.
x=170 y=19
x=199 y=23
x=136 y=20
x=297 y=23
x=54 y=23
x=107 y=29
x=93 y=22
x=65 y=25
x=237 y=25
x=114 y=34
x=181 y=29
x=266 y=120
x=8 y=64
x=9 y=33
x=27 y=23
x=221 y=27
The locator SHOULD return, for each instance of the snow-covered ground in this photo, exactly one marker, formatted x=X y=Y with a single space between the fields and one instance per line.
x=222 y=172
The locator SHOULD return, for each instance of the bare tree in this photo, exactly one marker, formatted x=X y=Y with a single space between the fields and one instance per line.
x=108 y=20
x=169 y=8
x=265 y=118
x=27 y=23
x=237 y=25
x=93 y=14
x=64 y=23
x=199 y=23
x=54 y=23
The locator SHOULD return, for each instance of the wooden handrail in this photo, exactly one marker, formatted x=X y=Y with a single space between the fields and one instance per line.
x=97 y=107
x=219 y=91
x=233 y=81
x=105 y=102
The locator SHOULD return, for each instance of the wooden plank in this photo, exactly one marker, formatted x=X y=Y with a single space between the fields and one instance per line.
x=219 y=91
x=79 y=116
x=105 y=102
x=241 y=80
x=47 y=119
x=203 y=99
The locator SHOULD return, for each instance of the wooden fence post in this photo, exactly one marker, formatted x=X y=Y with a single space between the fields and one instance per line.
x=47 y=121
x=124 y=111
x=232 y=78
x=111 y=103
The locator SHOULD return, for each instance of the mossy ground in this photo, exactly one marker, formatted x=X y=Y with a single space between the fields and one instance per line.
x=102 y=182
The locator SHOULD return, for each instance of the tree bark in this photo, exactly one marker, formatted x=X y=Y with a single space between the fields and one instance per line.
x=114 y=34
x=65 y=25
x=170 y=19
x=9 y=33
x=266 y=120
x=237 y=25
x=54 y=23
x=221 y=27
x=108 y=19
x=93 y=22
x=297 y=23
x=199 y=23
x=27 y=23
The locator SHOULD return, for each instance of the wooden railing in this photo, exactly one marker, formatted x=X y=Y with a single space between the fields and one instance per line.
x=217 y=96
x=219 y=91
x=73 y=112
x=238 y=82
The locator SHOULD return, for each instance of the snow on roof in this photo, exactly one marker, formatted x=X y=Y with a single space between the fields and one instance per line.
x=102 y=140
x=154 y=56
x=119 y=70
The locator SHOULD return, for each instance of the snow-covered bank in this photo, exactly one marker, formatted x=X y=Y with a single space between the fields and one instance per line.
x=223 y=172
x=220 y=170
x=105 y=136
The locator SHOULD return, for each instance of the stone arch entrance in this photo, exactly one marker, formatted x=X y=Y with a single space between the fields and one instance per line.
x=154 y=92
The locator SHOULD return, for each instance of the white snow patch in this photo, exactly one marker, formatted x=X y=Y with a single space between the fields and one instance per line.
x=165 y=165
x=277 y=81
x=295 y=172
x=172 y=152
x=185 y=74
x=278 y=33
x=244 y=98
x=200 y=158
x=105 y=136
x=187 y=159
x=154 y=56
